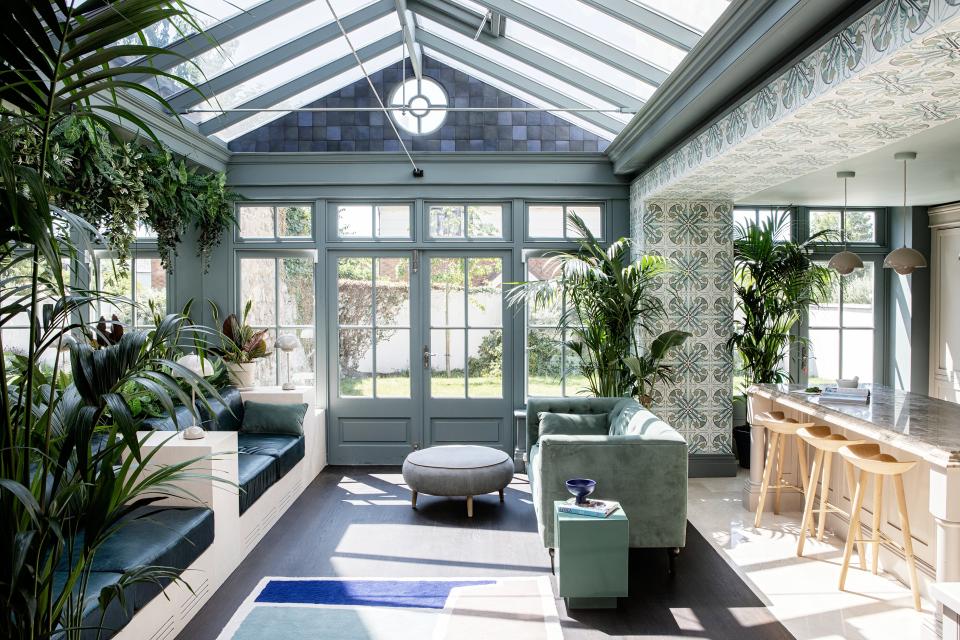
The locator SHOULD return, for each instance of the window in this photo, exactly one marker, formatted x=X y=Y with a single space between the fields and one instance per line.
x=373 y=221
x=275 y=222
x=858 y=225
x=552 y=369
x=17 y=287
x=742 y=216
x=842 y=329
x=552 y=221
x=465 y=221
x=281 y=290
x=141 y=283
x=421 y=97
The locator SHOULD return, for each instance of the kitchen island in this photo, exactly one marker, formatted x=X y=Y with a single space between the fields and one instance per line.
x=907 y=425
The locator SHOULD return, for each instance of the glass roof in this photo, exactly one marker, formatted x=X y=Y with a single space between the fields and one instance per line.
x=597 y=63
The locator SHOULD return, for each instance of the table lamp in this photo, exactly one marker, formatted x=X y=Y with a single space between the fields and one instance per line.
x=193 y=363
x=288 y=342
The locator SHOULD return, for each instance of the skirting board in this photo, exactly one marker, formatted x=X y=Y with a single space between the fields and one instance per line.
x=712 y=465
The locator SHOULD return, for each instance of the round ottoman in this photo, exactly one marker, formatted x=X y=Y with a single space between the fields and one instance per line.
x=457 y=470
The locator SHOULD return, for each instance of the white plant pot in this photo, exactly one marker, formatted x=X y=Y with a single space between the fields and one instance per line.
x=242 y=373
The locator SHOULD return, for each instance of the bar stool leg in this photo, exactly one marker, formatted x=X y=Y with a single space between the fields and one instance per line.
x=852 y=487
x=767 y=468
x=907 y=540
x=802 y=456
x=854 y=526
x=807 y=520
x=824 y=493
x=877 y=510
x=781 y=446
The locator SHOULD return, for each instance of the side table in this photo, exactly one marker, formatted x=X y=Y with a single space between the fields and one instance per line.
x=592 y=556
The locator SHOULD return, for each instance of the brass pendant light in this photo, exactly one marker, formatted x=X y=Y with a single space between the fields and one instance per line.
x=846 y=261
x=905 y=260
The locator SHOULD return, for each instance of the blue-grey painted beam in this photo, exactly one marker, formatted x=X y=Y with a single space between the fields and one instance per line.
x=579 y=40
x=532 y=57
x=194 y=45
x=514 y=79
x=285 y=52
x=304 y=82
x=409 y=38
x=649 y=21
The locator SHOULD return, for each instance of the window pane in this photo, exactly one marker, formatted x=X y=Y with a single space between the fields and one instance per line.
x=542 y=268
x=393 y=221
x=258 y=284
x=302 y=359
x=151 y=287
x=355 y=291
x=393 y=363
x=860 y=226
x=824 y=363
x=446 y=292
x=256 y=222
x=485 y=221
x=356 y=363
x=486 y=302
x=858 y=297
x=743 y=217
x=446 y=221
x=294 y=222
x=296 y=291
x=393 y=292
x=574 y=382
x=485 y=364
x=858 y=354
x=543 y=363
x=355 y=221
x=827 y=313
x=591 y=215
x=265 y=369
x=115 y=280
x=825 y=221
x=446 y=363
x=545 y=221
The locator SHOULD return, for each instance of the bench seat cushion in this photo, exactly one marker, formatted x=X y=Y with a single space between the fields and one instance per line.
x=117 y=616
x=226 y=415
x=287 y=450
x=258 y=472
x=166 y=423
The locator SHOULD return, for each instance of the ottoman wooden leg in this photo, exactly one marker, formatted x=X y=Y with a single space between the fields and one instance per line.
x=501 y=495
x=413 y=499
x=469 y=506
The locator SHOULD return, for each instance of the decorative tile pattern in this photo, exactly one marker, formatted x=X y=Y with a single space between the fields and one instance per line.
x=890 y=74
x=697 y=238
x=461 y=131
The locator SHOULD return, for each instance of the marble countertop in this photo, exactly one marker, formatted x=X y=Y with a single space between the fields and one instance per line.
x=919 y=424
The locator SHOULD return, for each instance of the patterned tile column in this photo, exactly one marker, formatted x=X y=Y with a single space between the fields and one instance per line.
x=696 y=237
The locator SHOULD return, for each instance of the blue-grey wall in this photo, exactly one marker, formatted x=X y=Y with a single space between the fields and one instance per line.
x=908 y=323
x=461 y=131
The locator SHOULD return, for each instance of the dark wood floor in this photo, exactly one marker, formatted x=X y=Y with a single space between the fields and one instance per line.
x=357 y=522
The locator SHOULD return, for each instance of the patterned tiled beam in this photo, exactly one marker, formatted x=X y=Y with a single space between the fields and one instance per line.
x=890 y=74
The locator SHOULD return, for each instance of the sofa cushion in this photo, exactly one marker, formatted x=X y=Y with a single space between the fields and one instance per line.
x=258 y=472
x=222 y=416
x=166 y=423
x=287 y=450
x=573 y=424
x=629 y=418
x=116 y=617
x=273 y=417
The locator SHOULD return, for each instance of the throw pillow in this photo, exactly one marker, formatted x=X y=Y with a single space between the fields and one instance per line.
x=269 y=417
x=573 y=424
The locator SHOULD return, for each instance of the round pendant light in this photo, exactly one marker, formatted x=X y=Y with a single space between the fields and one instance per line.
x=846 y=261
x=905 y=260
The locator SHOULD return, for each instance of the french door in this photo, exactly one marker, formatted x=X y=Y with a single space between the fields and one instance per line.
x=417 y=340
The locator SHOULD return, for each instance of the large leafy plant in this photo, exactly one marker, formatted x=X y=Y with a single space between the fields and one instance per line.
x=609 y=305
x=239 y=342
x=775 y=281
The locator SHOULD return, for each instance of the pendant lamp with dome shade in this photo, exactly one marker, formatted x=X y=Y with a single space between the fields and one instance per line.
x=845 y=261
x=905 y=260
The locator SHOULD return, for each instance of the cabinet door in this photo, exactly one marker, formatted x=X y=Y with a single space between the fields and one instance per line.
x=946 y=334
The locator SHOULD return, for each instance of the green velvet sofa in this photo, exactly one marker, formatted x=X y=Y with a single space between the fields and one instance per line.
x=638 y=459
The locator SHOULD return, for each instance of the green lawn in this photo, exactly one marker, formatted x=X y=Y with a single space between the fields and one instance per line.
x=452 y=387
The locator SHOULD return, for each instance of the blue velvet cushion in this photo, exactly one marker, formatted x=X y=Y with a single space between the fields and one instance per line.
x=573 y=424
x=273 y=417
x=222 y=416
x=287 y=450
x=257 y=474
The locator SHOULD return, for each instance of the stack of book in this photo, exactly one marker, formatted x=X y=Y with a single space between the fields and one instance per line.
x=592 y=508
x=849 y=396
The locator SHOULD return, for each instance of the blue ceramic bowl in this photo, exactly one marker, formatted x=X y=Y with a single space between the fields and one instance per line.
x=581 y=488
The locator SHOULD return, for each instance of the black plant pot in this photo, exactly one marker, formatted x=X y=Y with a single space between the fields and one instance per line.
x=741 y=440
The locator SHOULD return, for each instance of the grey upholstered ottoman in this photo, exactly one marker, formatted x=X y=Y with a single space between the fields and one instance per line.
x=457 y=470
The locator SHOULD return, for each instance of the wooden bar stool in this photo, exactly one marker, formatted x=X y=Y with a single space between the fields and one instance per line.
x=869 y=460
x=780 y=428
x=825 y=443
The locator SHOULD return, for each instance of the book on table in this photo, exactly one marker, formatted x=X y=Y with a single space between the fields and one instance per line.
x=849 y=396
x=592 y=508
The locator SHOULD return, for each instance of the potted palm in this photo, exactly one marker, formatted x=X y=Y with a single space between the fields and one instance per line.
x=775 y=281
x=240 y=345
x=610 y=305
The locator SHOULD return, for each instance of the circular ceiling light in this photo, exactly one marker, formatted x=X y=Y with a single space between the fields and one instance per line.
x=424 y=105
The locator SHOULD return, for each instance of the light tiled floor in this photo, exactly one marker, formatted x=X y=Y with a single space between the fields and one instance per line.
x=802 y=592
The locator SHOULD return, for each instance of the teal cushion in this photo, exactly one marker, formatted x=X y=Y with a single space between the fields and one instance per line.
x=270 y=417
x=573 y=424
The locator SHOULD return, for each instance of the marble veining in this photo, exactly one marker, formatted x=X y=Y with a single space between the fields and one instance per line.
x=913 y=422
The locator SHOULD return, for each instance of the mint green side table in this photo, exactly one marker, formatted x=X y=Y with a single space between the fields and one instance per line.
x=592 y=556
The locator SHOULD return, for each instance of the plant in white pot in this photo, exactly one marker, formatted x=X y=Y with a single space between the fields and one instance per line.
x=240 y=345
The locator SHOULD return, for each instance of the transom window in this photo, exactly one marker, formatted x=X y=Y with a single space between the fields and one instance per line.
x=373 y=221
x=743 y=216
x=275 y=222
x=552 y=221
x=858 y=225
x=461 y=221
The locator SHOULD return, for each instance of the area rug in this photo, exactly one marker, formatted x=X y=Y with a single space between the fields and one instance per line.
x=397 y=608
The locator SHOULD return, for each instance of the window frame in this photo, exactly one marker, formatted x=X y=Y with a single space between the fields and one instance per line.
x=240 y=240
x=506 y=220
x=96 y=275
x=334 y=237
x=565 y=204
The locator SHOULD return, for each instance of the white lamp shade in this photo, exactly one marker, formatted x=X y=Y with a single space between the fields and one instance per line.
x=193 y=362
x=905 y=260
x=288 y=342
x=845 y=262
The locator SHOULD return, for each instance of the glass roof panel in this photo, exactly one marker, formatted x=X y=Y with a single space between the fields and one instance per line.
x=517 y=92
x=298 y=66
x=698 y=14
x=310 y=95
x=608 y=29
x=580 y=60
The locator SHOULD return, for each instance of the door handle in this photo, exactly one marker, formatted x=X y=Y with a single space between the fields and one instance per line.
x=426 y=356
